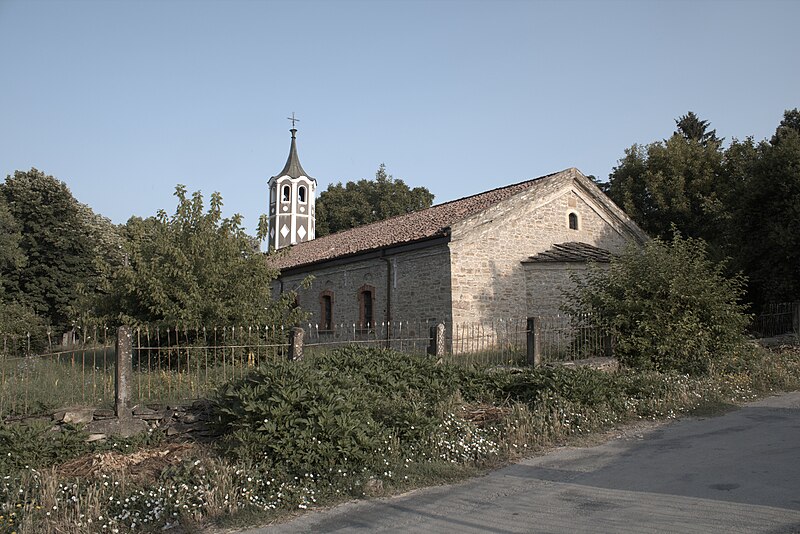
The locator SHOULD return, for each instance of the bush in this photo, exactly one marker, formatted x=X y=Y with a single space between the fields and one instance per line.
x=667 y=305
x=353 y=410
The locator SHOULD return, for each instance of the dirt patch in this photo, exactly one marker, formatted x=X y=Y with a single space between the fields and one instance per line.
x=141 y=466
x=484 y=414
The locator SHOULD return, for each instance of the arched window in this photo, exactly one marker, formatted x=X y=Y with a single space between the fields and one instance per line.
x=301 y=193
x=326 y=310
x=573 y=221
x=287 y=192
x=366 y=306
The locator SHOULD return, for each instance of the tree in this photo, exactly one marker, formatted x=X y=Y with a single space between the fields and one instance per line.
x=673 y=182
x=766 y=211
x=16 y=320
x=56 y=243
x=691 y=128
x=193 y=267
x=667 y=306
x=341 y=207
x=790 y=123
x=744 y=200
x=11 y=256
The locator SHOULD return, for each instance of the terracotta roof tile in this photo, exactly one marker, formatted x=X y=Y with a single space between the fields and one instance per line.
x=572 y=252
x=408 y=228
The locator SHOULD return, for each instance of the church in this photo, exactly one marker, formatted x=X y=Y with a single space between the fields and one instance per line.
x=496 y=255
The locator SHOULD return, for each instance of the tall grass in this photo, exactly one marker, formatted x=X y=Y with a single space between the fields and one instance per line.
x=479 y=418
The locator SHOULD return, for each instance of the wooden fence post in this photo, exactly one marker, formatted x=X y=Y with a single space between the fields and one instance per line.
x=123 y=376
x=436 y=347
x=296 y=335
x=534 y=341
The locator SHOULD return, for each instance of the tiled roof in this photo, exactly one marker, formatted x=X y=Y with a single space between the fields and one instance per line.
x=404 y=229
x=572 y=252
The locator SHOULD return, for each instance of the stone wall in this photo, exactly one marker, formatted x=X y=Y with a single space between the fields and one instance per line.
x=479 y=275
x=545 y=283
x=416 y=282
x=180 y=421
x=488 y=278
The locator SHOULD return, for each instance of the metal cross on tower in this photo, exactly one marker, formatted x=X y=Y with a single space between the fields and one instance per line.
x=293 y=119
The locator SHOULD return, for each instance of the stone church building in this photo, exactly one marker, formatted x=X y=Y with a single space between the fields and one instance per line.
x=499 y=254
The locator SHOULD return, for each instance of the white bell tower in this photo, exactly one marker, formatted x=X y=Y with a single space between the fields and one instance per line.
x=292 y=193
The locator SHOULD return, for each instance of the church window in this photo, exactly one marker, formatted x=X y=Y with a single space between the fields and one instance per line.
x=301 y=193
x=366 y=306
x=287 y=191
x=326 y=310
x=573 y=221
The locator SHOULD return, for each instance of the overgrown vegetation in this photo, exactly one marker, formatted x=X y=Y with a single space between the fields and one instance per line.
x=742 y=199
x=195 y=267
x=667 y=306
x=357 y=422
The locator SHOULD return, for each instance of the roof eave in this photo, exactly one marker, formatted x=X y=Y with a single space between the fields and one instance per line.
x=375 y=252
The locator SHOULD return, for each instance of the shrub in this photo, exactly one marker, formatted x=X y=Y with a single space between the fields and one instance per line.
x=667 y=305
x=353 y=410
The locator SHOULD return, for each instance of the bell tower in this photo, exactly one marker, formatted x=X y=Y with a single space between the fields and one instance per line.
x=292 y=194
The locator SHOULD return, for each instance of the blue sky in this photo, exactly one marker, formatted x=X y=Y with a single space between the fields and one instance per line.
x=124 y=100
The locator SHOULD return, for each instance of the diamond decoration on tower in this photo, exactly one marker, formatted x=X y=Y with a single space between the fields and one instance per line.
x=291 y=192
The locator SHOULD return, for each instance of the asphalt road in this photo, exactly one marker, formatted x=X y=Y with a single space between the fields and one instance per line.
x=739 y=472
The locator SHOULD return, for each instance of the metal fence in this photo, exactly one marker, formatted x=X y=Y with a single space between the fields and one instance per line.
x=181 y=363
x=498 y=342
x=411 y=337
x=170 y=365
x=79 y=372
x=570 y=338
x=777 y=318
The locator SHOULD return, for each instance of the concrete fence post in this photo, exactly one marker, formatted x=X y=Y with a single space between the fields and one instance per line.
x=296 y=335
x=533 y=329
x=123 y=377
x=437 y=340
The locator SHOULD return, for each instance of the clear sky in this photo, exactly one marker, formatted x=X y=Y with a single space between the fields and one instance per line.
x=124 y=100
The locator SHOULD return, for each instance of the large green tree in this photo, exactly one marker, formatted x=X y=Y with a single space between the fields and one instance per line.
x=690 y=127
x=341 y=207
x=60 y=259
x=743 y=200
x=16 y=319
x=672 y=182
x=765 y=240
x=193 y=267
x=11 y=255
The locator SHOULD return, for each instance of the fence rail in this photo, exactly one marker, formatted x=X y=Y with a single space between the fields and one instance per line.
x=777 y=319
x=402 y=336
x=177 y=364
x=174 y=364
